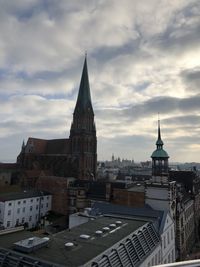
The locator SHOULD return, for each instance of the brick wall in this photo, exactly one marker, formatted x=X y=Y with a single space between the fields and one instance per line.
x=57 y=186
x=128 y=198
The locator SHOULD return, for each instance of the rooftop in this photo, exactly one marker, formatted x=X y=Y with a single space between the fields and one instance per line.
x=21 y=195
x=84 y=249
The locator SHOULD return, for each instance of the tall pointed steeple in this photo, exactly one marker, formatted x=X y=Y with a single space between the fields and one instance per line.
x=84 y=102
x=83 y=130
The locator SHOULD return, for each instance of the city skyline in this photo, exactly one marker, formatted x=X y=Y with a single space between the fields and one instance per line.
x=142 y=60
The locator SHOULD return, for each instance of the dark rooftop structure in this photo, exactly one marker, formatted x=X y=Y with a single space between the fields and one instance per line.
x=189 y=179
x=91 y=244
x=21 y=195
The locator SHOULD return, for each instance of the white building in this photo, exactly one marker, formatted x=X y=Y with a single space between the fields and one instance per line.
x=24 y=207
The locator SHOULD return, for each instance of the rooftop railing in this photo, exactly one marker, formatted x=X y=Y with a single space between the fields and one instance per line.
x=189 y=263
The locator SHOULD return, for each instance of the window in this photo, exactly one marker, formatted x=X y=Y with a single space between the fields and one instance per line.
x=181 y=222
x=23 y=209
x=47 y=205
x=156 y=259
x=36 y=216
x=9 y=204
x=37 y=207
x=182 y=237
x=19 y=202
x=8 y=223
x=169 y=258
x=18 y=210
x=30 y=218
x=164 y=242
x=17 y=221
x=168 y=237
x=24 y=201
x=31 y=200
x=23 y=220
x=37 y=199
x=31 y=208
x=9 y=212
x=173 y=255
x=172 y=234
x=47 y=197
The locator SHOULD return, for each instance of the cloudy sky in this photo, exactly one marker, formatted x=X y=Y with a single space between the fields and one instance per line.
x=143 y=58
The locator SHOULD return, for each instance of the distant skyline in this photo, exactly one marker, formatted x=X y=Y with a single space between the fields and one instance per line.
x=143 y=58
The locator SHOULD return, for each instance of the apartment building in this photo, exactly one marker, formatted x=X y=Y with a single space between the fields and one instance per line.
x=24 y=208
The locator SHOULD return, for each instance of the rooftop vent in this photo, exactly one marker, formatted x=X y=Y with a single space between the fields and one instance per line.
x=86 y=237
x=98 y=233
x=118 y=223
x=106 y=229
x=31 y=244
x=69 y=245
x=112 y=225
x=46 y=238
x=31 y=240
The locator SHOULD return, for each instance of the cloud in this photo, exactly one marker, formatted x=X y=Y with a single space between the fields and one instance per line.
x=142 y=59
x=192 y=79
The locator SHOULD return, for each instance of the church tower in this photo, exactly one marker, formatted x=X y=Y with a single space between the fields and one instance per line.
x=83 y=131
x=160 y=193
x=160 y=168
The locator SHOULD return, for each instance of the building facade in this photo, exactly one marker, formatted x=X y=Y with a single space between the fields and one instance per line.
x=24 y=208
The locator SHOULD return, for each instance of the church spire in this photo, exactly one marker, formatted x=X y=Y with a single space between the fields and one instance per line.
x=83 y=132
x=159 y=157
x=159 y=142
x=84 y=102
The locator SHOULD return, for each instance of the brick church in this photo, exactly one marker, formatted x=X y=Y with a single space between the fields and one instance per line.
x=73 y=157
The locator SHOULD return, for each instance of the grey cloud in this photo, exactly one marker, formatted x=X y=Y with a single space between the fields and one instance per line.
x=164 y=105
x=187 y=120
x=182 y=32
x=192 y=79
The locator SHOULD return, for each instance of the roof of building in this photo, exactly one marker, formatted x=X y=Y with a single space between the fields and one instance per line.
x=57 y=146
x=109 y=208
x=84 y=250
x=38 y=144
x=32 y=173
x=11 y=258
x=145 y=213
x=50 y=147
x=159 y=153
x=137 y=188
x=84 y=98
x=21 y=195
x=8 y=166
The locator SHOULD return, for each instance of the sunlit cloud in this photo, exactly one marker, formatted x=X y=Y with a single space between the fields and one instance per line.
x=142 y=58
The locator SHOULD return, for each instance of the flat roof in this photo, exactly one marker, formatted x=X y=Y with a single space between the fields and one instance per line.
x=83 y=250
x=136 y=188
x=21 y=195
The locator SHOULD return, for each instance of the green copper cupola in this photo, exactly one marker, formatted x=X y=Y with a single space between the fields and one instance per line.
x=159 y=157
